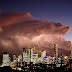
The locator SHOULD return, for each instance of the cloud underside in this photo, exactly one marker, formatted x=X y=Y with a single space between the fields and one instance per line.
x=22 y=30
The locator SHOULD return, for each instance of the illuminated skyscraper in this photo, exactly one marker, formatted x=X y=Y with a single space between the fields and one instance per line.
x=20 y=58
x=43 y=54
x=24 y=55
x=6 y=59
x=30 y=55
x=35 y=58
x=56 y=51
x=14 y=57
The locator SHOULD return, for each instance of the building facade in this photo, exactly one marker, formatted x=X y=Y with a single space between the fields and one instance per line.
x=6 y=60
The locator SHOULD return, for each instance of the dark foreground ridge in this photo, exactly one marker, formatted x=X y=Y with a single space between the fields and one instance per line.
x=49 y=69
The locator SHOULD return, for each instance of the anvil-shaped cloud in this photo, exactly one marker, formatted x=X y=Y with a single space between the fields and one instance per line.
x=22 y=30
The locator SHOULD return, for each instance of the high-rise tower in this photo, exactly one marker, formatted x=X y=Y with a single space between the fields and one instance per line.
x=56 y=51
x=6 y=59
x=43 y=53
x=30 y=55
x=24 y=55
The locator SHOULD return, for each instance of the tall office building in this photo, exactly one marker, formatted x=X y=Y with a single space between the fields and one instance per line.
x=6 y=59
x=35 y=58
x=24 y=55
x=14 y=57
x=30 y=55
x=43 y=54
x=56 y=51
x=20 y=58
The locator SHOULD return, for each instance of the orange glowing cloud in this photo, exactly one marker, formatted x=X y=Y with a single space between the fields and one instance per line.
x=22 y=30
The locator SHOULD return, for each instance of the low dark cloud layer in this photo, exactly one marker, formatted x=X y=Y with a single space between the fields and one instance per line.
x=22 y=30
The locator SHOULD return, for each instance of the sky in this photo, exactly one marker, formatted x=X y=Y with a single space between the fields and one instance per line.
x=50 y=10
x=39 y=23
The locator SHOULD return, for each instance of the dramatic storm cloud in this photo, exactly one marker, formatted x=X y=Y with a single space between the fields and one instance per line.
x=22 y=30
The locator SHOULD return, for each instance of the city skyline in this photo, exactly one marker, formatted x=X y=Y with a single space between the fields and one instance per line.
x=29 y=60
